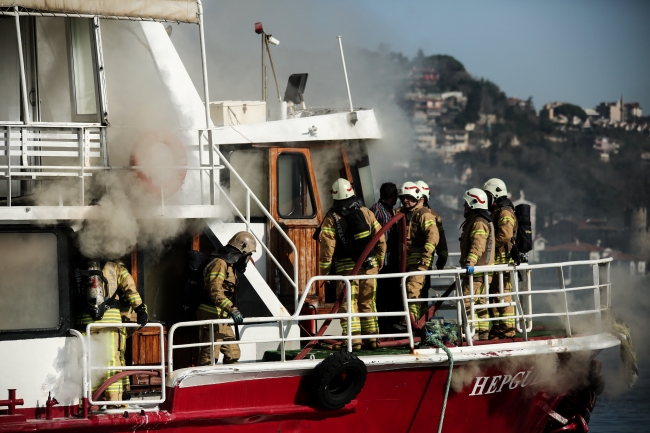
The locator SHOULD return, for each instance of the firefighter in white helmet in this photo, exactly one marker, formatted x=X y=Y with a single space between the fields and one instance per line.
x=422 y=238
x=477 y=249
x=505 y=228
x=346 y=230
x=441 y=249
x=220 y=278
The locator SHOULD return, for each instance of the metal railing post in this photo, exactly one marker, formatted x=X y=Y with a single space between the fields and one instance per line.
x=348 y=296
x=472 y=314
x=8 y=153
x=82 y=163
x=596 y=274
x=514 y=281
x=212 y=362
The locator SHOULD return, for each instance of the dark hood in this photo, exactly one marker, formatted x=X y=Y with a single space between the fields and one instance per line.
x=344 y=206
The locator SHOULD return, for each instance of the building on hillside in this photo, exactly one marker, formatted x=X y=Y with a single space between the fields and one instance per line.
x=632 y=110
x=604 y=145
x=550 y=107
x=614 y=111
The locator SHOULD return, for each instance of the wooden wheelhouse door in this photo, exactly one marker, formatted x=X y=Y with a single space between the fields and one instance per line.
x=295 y=204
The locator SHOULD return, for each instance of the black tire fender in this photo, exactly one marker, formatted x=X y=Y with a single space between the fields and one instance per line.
x=338 y=379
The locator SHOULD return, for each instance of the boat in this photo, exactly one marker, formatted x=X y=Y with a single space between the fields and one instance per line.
x=107 y=147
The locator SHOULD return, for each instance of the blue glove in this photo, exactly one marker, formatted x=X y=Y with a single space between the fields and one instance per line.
x=237 y=317
x=469 y=269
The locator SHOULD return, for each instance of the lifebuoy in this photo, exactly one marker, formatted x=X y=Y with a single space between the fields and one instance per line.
x=152 y=154
x=339 y=379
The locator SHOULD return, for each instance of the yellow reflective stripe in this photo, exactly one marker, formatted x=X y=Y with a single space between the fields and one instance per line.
x=376 y=225
x=362 y=235
x=214 y=275
x=328 y=230
x=426 y=224
x=472 y=256
x=213 y=310
x=111 y=316
x=325 y=265
x=122 y=276
x=429 y=246
x=478 y=232
x=134 y=298
x=225 y=303
x=506 y=218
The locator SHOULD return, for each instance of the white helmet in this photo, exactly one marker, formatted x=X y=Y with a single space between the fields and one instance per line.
x=496 y=187
x=410 y=188
x=424 y=188
x=342 y=189
x=476 y=198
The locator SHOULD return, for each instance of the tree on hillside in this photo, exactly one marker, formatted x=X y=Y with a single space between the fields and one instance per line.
x=570 y=110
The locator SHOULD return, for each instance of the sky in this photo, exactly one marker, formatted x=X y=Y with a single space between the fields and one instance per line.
x=579 y=51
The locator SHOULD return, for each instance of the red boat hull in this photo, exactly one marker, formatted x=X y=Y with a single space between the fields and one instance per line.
x=494 y=398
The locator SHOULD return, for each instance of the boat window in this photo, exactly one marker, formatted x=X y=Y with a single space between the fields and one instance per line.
x=251 y=165
x=53 y=70
x=9 y=71
x=29 y=285
x=83 y=72
x=295 y=196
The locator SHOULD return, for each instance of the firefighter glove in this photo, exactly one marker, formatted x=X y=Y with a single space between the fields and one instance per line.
x=469 y=269
x=441 y=262
x=237 y=317
x=142 y=316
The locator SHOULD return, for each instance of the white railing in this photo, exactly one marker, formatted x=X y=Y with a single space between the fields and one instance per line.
x=90 y=365
x=245 y=216
x=75 y=151
x=521 y=295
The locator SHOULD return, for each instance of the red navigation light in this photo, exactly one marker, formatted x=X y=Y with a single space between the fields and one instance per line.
x=258 y=28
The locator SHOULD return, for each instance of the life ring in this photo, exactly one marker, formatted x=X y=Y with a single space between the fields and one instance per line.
x=339 y=379
x=152 y=154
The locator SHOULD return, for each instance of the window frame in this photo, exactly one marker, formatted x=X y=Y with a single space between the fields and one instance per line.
x=83 y=118
x=310 y=187
x=65 y=310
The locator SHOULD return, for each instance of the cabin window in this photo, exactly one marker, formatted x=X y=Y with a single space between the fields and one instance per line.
x=29 y=286
x=9 y=71
x=83 y=71
x=328 y=169
x=251 y=165
x=295 y=192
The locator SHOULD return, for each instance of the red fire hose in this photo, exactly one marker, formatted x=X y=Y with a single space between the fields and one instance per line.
x=357 y=266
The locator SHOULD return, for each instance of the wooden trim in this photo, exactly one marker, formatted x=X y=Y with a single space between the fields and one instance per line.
x=274 y=153
x=134 y=265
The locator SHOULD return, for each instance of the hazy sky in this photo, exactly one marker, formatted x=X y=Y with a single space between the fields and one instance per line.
x=580 y=51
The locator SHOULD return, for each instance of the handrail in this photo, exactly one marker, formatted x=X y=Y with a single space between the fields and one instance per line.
x=250 y=194
x=88 y=369
x=466 y=322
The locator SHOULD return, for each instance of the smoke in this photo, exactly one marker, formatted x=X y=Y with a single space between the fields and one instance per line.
x=306 y=46
x=552 y=373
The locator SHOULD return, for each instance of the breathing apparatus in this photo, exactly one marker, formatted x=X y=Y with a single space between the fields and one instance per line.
x=98 y=300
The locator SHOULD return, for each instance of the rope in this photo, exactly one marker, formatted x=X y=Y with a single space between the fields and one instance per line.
x=436 y=336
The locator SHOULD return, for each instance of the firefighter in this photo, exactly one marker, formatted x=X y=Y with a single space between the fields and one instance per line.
x=477 y=249
x=441 y=249
x=422 y=238
x=220 y=278
x=389 y=295
x=505 y=223
x=111 y=294
x=346 y=230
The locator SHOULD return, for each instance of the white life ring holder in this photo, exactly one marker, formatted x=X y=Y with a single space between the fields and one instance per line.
x=179 y=157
